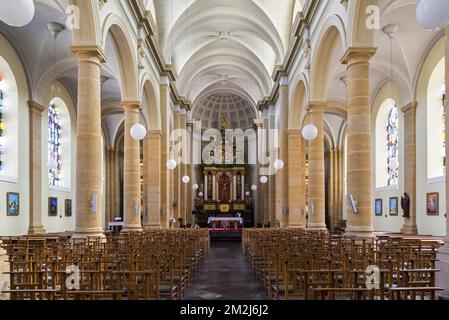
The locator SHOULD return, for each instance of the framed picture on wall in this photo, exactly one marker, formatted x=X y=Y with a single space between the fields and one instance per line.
x=68 y=208
x=12 y=204
x=433 y=204
x=52 y=207
x=394 y=206
x=378 y=207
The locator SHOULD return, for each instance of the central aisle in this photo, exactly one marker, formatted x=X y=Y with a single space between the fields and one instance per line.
x=225 y=275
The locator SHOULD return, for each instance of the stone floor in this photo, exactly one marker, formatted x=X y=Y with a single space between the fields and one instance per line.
x=225 y=275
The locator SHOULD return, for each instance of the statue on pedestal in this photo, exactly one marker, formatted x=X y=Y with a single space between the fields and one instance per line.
x=405 y=205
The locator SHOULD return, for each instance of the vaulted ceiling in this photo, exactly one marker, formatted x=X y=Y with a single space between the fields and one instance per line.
x=231 y=45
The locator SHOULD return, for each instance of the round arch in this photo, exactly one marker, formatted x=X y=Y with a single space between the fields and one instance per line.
x=124 y=47
x=331 y=35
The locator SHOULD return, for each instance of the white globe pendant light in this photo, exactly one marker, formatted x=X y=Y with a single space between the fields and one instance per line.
x=432 y=14
x=138 y=132
x=279 y=164
x=17 y=13
x=264 y=179
x=394 y=164
x=254 y=187
x=171 y=164
x=186 y=179
x=200 y=194
x=195 y=186
x=309 y=132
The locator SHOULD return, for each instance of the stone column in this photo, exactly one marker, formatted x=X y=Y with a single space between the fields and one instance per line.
x=206 y=196
x=35 y=110
x=359 y=173
x=89 y=191
x=272 y=178
x=165 y=151
x=242 y=188
x=234 y=187
x=183 y=172
x=153 y=220
x=108 y=182
x=258 y=124
x=316 y=169
x=214 y=187
x=176 y=177
x=117 y=155
x=296 y=183
x=410 y=226
x=443 y=254
x=131 y=187
x=282 y=193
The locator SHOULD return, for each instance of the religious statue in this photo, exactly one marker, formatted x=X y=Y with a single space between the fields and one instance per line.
x=405 y=205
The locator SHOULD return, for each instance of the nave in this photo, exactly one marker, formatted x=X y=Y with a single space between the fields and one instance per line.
x=182 y=265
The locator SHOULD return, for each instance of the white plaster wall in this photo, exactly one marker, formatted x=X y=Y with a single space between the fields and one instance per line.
x=386 y=222
x=60 y=223
x=432 y=225
x=13 y=226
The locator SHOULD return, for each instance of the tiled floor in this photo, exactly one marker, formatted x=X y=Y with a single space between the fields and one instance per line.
x=225 y=275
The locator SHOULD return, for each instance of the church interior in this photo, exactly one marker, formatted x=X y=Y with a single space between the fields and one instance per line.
x=150 y=148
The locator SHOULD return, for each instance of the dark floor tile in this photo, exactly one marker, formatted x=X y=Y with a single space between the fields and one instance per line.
x=225 y=275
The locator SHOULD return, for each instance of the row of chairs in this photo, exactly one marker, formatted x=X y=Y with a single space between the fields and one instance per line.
x=136 y=266
x=299 y=264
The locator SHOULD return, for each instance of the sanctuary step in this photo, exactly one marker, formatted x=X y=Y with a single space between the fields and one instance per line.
x=225 y=235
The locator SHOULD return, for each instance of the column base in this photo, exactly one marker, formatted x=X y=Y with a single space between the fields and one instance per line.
x=296 y=226
x=84 y=234
x=442 y=277
x=153 y=227
x=317 y=227
x=132 y=228
x=410 y=230
x=360 y=233
x=36 y=230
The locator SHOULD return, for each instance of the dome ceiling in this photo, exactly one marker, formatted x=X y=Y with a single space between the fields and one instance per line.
x=216 y=108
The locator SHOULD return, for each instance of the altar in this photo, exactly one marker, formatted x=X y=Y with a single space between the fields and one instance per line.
x=225 y=223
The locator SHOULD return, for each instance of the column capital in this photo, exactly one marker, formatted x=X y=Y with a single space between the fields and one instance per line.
x=358 y=54
x=314 y=106
x=36 y=107
x=131 y=105
x=410 y=108
x=258 y=123
x=89 y=51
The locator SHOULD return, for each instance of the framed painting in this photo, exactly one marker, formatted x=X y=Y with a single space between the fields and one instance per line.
x=378 y=207
x=52 y=207
x=433 y=204
x=12 y=204
x=68 y=208
x=394 y=206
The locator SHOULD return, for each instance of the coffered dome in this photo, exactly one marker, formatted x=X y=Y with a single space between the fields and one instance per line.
x=230 y=108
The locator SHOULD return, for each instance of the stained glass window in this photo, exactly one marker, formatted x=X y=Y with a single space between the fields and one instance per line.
x=54 y=147
x=2 y=128
x=393 y=145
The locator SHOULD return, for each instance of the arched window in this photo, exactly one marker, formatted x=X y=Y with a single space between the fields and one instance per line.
x=9 y=124
x=54 y=146
x=387 y=144
x=393 y=145
x=436 y=128
x=59 y=146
